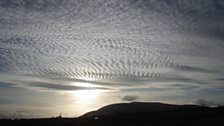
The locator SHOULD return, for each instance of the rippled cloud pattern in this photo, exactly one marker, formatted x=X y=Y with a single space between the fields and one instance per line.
x=111 y=42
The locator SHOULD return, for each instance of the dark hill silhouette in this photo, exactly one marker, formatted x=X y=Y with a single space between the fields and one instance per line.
x=136 y=107
x=134 y=114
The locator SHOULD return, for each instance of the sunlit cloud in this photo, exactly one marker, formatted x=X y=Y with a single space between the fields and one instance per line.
x=65 y=87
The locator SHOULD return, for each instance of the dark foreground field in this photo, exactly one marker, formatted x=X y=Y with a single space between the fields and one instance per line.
x=134 y=114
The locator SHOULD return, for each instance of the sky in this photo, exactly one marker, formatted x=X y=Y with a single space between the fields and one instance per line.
x=68 y=57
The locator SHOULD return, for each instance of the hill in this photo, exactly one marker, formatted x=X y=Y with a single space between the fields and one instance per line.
x=134 y=114
x=137 y=107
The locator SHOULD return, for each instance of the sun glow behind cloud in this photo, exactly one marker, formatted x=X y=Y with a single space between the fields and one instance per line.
x=86 y=96
x=86 y=100
x=85 y=84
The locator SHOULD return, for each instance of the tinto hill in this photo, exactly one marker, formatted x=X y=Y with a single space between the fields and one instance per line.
x=138 y=107
x=135 y=114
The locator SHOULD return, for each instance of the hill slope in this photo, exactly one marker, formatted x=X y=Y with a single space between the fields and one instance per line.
x=137 y=107
x=134 y=114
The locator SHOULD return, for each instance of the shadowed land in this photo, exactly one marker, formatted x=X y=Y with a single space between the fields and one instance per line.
x=136 y=113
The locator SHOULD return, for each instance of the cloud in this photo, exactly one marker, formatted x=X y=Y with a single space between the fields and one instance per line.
x=193 y=69
x=6 y=85
x=32 y=82
x=15 y=114
x=79 y=44
x=129 y=98
x=220 y=79
x=161 y=88
x=204 y=102
x=65 y=87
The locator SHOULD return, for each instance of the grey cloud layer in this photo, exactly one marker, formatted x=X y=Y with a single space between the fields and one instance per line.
x=114 y=41
x=65 y=87
x=129 y=98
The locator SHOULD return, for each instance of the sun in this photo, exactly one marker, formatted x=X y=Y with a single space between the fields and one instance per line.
x=86 y=96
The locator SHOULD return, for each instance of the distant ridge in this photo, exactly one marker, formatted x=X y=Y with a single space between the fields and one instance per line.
x=137 y=107
x=134 y=114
